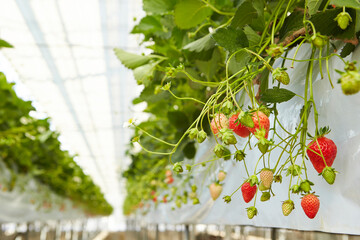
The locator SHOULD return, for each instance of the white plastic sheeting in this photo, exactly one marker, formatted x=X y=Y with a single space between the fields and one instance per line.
x=64 y=57
x=339 y=203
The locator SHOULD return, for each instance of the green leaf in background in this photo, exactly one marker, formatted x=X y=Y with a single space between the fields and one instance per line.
x=347 y=49
x=313 y=6
x=277 y=95
x=178 y=119
x=209 y=68
x=244 y=14
x=292 y=23
x=149 y=24
x=5 y=44
x=158 y=6
x=230 y=39
x=131 y=60
x=325 y=24
x=252 y=36
x=201 y=44
x=143 y=73
x=346 y=3
x=190 y=150
x=189 y=13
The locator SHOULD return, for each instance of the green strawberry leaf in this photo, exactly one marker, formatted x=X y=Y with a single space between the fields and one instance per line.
x=321 y=22
x=131 y=60
x=5 y=44
x=252 y=36
x=158 y=6
x=144 y=73
x=346 y=3
x=277 y=95
x=189 y=13
x=244 y=14
x=231 y=39
x=347 y=49
x=313 y=6
x=201 y=44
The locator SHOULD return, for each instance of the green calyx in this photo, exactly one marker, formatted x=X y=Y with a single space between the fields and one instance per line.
x=227 y=107
x=227 y=199
x=239 y=155
x=275 y=50
x=305 y=186
x=219 y=150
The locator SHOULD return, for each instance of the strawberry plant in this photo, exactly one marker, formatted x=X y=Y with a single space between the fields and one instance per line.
x=217 y=71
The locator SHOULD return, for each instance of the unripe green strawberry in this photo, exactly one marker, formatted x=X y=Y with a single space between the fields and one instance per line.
x=350 y=82
x=193 y=133
x=219 y=150
x=227 y=107
x=201 y=136
x=263 y=147
x=287 y=207
x=193 y=188
x=178 y=168
x=219 y=122
x=239 y=155
x=215 y=190
x=227 y=136
x=221 y=176
x=329 y=175
x=178 y=202
x=251 y=212
x=227 y=154
x=295 y=188
x=275 y=50
x=319 y=41
x=262 y=187
x=266 y=176
x=184 y=199
x=192 y=195
x=343 y=19
x=265 y=196
x=196 y=201
x=281 y=75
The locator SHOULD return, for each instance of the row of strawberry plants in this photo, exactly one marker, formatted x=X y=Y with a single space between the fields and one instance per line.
x=29 y=147
x=207 y=53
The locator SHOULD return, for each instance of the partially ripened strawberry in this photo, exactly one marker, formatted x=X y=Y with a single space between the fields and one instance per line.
x=266 y=177
x=237 y=127
x=221 y=176
x=219 y=122
x=327 y=152
x=168 y=173
x=215 y=190
x=287 y=207
x=169 y=180
x=261 y=124
x=310 y=204
x=248 y=191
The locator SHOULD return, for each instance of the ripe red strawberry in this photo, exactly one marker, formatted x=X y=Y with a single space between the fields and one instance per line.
x=219 y=122
x=310 y=204
x=215 y=190
x=328 y=150
x=221 y=176
x=248 y=191
x=261 y=123
x=266 y=177
x=169 y=180
x=164 y=199
x=238 y=128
